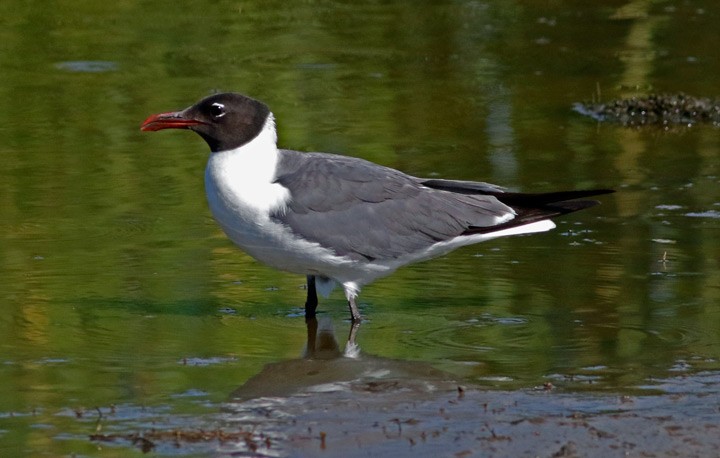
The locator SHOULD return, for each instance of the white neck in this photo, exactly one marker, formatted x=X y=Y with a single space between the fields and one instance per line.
x=240 y=181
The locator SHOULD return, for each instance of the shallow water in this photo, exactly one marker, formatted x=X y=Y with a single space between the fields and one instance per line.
x=119 y=289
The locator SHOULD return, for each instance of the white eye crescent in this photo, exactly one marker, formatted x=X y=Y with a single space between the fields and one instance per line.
x=217 y=110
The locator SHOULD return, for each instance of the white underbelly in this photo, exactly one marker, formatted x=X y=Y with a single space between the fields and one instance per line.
x=275 y=245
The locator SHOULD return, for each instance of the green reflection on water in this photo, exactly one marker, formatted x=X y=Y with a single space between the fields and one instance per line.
x=114 y=274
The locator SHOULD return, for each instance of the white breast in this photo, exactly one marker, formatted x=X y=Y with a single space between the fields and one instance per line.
x=242 y=195
x=240 y=181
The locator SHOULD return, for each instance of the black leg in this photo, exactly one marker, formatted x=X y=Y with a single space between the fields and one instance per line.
x=312 y=301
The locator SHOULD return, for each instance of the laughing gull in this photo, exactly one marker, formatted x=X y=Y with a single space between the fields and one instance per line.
x=340 y=219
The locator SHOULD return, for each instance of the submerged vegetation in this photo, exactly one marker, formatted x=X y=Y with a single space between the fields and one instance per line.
x=655 y=109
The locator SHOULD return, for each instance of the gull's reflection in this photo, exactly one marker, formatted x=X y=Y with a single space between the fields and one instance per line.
x=327 y=403
x=324 y=367
x=321 y=341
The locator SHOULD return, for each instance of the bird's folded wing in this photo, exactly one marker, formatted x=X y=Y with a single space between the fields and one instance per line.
x=365 y=211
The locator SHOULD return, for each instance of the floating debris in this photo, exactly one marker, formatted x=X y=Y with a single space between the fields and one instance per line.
x=706 y=214
x=660 y=110
x=87 y=66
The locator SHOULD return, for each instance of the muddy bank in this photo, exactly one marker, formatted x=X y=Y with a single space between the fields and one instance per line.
x=362 y=420
x=327 y=404
x=388 y=418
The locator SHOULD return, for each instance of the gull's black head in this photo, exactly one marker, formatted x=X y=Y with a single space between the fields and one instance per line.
x=225 y=121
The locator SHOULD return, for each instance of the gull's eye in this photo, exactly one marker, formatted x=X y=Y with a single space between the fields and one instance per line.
x=217 y=110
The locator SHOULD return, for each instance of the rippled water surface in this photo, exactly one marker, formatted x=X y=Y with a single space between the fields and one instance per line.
x=118 y=289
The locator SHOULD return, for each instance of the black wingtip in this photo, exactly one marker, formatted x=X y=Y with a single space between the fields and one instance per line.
x=552 y=198
x=537 y=207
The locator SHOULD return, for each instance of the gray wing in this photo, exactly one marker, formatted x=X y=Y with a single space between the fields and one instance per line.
x=366 y=211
